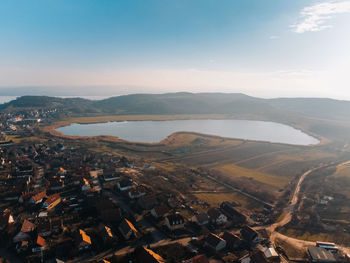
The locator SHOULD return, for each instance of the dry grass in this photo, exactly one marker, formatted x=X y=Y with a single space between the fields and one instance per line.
x=215 y=199
x=233 y=171
x=343 y=171
x=338 y=238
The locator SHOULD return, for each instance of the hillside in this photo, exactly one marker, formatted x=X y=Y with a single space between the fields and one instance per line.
x=190 y=103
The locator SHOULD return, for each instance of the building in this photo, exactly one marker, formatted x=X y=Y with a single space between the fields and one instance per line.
x=215 y=242
x=44 y=228
x=147 y=202
x=6 y=219
x=27 y=226
x=174 y=221
x=232 y=213
x=52 y=201
x=160 y=211
x=127 y=229
x=233 y=241
x=270 y=253
x=198 y=259
x=38 y=198
x=146 y=255
x=111 y=176
x=125 y=184
x=83 y=240
x=327 y=245
x=320 y=255
x=137 y=192
x=201 y=219
x=250 y=235
x=216 y=216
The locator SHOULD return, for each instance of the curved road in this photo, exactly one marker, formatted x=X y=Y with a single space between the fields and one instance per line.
x=288 y=212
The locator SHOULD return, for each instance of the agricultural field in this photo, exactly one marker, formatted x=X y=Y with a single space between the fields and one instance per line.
x=215 y=199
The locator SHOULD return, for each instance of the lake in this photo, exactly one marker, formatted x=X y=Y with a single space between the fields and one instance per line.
x=155 y=131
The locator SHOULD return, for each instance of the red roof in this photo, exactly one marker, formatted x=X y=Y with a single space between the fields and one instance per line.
x=39 y=196
x=41 y=241
x=27 y=226
x=52 y=198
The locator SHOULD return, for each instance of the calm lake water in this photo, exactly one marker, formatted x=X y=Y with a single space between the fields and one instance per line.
x=155 y=131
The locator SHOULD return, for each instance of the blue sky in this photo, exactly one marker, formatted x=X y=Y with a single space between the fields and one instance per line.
x=260 y=47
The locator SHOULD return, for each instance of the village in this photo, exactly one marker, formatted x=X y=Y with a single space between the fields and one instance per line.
x=60 y=203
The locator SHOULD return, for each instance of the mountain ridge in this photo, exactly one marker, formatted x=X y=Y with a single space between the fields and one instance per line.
x=190 y=103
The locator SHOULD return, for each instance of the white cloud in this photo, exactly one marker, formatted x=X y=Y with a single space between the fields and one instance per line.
x=314 y=18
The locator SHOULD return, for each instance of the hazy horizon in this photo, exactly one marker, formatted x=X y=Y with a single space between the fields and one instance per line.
x=260 y=48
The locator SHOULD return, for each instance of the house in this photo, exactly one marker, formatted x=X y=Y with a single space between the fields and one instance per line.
x=232 y=213
x=6 y=219
x=233 y=241
x=107 y=234
x=215 y=242
x=147 y=202
x=127 y=229
x=41 y=244
x=107 y=211
x=137 y=192
x=111 y=176
x=270 y=253
x=320 y=255
x=201 y=219
x=22 y=246
x=145 y=255
x=38 y=198
x=56 y=184
x=216 y=216
x=174 y=221
x=125 y=184
x=56 y=226
x=250 y=235
x=83 y=240
x=44 y=228
x=85 y=185
x=258 y=257
x=27 y=226
x=52 y=201
x=96 y=173
x=198 y=259
x=159 y=211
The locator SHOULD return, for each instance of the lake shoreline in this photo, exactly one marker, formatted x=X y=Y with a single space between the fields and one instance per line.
x=52 y=129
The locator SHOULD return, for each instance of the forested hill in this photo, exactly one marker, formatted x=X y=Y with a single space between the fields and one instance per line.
x=191 y=103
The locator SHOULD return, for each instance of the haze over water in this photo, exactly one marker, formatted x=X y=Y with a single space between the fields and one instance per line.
x=156 y=131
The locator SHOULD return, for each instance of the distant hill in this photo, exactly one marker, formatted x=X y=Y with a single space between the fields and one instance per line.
x=192 y=103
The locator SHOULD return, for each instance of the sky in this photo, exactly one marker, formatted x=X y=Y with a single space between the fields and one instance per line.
x=264 y=48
